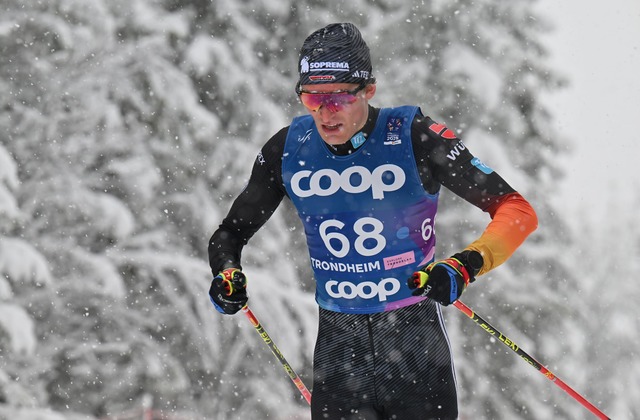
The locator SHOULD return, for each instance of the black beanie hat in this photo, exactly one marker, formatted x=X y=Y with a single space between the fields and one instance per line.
x=335 y=54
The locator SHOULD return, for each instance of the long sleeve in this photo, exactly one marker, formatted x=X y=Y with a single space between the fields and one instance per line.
x=252 y=208
x=512 y=220
x=444 y=160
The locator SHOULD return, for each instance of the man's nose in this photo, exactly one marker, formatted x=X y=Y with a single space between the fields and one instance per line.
x=326 y=112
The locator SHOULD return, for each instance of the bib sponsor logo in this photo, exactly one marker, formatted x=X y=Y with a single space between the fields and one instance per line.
x=326 y=182
x=364 y=290
x=399 y=260
x=393 y=131
x=306 y=136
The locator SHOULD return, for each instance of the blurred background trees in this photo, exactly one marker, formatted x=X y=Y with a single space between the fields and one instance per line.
x=126 y=129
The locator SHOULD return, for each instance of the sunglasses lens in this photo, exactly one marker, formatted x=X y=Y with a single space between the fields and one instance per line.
x=334 y=102
x=312 y=101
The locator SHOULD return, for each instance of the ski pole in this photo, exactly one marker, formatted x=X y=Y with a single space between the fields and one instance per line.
x=513 y=346
x=276 y=352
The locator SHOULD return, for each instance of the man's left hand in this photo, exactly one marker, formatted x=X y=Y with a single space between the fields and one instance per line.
x=445 y=280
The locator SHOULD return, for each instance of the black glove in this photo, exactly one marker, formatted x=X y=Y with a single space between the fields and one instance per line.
x=445 y=280
x=228 y=291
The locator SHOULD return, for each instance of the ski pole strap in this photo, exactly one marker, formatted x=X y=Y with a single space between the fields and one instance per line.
x=530 y=360
x=276 y=352
x=460 y=268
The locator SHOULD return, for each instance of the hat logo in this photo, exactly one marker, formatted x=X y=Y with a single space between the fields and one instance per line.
x=304 y=65
x=362 y=74
x=324 y=78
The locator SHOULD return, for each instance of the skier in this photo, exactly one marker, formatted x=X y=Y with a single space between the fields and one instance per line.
x=365 y=182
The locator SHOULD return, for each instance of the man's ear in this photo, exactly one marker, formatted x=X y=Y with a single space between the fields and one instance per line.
x=369 y=91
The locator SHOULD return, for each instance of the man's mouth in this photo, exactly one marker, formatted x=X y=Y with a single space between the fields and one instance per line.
x=331 y=127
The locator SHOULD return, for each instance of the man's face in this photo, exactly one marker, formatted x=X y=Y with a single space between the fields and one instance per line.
x=341 y=116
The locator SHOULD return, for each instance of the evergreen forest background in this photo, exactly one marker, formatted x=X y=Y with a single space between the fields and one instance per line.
x=126 y=130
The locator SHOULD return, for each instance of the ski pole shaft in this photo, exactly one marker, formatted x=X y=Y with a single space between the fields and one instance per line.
x=514 y=347
x=276 y=352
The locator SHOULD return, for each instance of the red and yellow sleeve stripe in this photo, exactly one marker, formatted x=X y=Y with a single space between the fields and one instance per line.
x=512 y=220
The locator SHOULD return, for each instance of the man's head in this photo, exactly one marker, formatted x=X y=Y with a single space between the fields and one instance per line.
x=335 y=54
x=336 y=80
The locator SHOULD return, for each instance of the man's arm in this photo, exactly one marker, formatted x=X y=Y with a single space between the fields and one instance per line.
x=442 y=157
x=252 y=208
x=512 y=220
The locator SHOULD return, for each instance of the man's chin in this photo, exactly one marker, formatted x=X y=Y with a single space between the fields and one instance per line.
x=334 y=139
x=335 y=142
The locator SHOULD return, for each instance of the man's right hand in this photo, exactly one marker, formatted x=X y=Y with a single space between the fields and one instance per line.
x=228 y=291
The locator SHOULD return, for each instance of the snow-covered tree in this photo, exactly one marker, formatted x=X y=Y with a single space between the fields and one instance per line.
x=127 y=127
